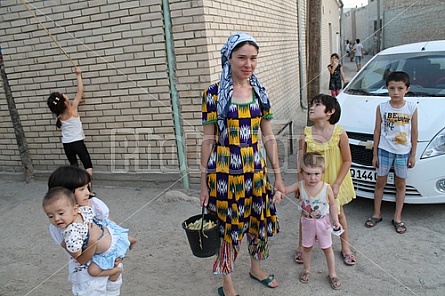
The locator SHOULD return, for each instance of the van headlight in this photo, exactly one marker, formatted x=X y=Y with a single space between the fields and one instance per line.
x=436 y=146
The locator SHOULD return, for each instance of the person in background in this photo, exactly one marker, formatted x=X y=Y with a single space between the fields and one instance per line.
x=336 y=75
x=359 y=53
x=234 y=176
x=352 y=53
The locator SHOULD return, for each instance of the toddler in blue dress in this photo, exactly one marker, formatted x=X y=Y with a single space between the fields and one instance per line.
x=77 y=222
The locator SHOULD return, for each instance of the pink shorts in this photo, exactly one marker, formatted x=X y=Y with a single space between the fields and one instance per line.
x=319 y=229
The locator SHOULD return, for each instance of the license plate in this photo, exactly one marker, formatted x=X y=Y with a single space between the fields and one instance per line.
x=369 y=175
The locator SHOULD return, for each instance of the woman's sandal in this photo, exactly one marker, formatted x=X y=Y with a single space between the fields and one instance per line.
x=304 y=277
x=299 y=257
x=267 y=281
x=335 y=282
x=221 y=292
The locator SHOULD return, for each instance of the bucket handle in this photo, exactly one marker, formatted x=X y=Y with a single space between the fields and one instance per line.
x=202 y=228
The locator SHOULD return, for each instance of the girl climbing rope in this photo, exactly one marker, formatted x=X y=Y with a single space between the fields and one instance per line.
x=68 y=120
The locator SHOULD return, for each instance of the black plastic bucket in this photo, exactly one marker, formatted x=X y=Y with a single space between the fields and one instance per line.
x=204 y=243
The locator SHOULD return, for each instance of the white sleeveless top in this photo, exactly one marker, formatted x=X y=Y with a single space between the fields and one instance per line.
x=72 y=130
x=314 y=206
x=395 y=130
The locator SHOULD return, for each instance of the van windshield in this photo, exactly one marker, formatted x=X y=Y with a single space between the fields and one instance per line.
x=426 y=72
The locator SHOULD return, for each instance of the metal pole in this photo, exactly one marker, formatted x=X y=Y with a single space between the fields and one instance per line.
x=174 y=95
x=378 y=26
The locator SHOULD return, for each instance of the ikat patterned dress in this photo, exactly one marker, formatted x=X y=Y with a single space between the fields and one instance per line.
x=239 y=190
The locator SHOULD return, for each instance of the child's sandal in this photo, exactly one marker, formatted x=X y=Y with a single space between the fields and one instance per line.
x=335 y=282
x=304 y=277
x=299 y=257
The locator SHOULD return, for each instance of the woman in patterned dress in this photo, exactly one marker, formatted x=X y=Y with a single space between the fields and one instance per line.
x=234 y=177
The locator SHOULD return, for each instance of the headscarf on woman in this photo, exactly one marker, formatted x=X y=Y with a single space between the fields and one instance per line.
x=225 y=89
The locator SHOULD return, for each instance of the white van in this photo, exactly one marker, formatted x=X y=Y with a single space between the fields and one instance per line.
x=425 y=64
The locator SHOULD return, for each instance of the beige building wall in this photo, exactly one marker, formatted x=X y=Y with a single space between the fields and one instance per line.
x=346 y=25
x=121 y=49
x=364 y=31
x=412 y=21
x=398 y=17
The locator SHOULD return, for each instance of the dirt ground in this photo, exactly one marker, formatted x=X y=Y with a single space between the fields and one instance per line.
x=162 y=262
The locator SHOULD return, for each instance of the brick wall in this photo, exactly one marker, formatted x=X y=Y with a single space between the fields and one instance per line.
x=121 y=49
x=399 y=17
